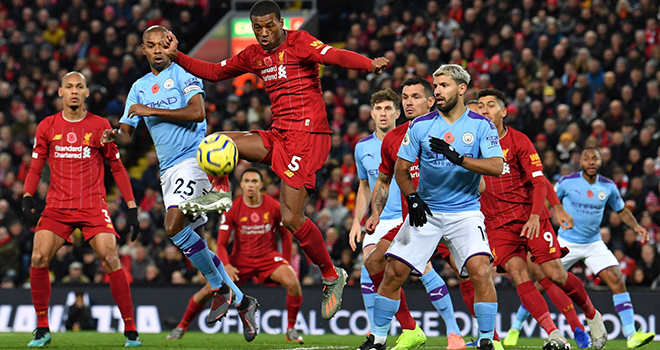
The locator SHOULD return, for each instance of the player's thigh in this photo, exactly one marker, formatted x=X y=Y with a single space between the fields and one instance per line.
x=534 y=269
x=505 y=244
x=105 y=245
x=575 y=254
x=375 y=261
x=46 y=244
x=183 y=181
x=414 y=246
x=296 y=156
x=613 y=278
x=599 y=257
x=465 y=236
x=250 y=145
x=285 y=276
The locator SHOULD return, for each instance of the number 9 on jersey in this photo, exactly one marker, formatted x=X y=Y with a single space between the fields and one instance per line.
x=217 y=155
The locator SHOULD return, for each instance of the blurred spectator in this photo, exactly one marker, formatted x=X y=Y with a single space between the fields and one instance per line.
x=76 y=275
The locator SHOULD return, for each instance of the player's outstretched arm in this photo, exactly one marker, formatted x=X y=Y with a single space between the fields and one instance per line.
x=629 y=219
x=484 y=166
x=379 y=197
x=361 y=203
x=122 y=136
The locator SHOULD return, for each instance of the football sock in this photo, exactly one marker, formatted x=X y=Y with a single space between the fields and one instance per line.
x=292 y=308
x=575 y=290
x=534 y=302
x=562 y=302
x=121 y=293
x=192 y=311
x=384 y=310
x=440 y=298
x=40 y=289
x=226 y=279
x=368 y=295
x=195 y=249
x=624 y=308
x=220 y=183
x=467 y=290
x=521 y=316
x=486 y=314
x=403 y=314
x=312 y=243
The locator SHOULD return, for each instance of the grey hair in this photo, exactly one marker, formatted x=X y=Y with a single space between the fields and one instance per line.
x=455 y=71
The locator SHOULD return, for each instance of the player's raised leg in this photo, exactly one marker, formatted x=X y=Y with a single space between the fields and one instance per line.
x=286 y=277
x=194 y=308
x=46 y=244
x=105 y=246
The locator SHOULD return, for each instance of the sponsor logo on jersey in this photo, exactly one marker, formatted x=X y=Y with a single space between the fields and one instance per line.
x=414 y=171
x=169 y=83
x=317 y=44
x=602 y=196
x=243 y=219
x=155 y=88
x=536 y=160
x=448 y=137
x=71 y=137
x=468 y=138
x=160 y=104
x=259 y=63
x=506 y=168
x=57 y=137
x=289 y=173
x=87 y=139
x=72 y=152
x=254 y=217
x=274 y=72
x=552 y=250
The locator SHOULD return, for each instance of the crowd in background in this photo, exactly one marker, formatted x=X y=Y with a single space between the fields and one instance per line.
x=575 y=74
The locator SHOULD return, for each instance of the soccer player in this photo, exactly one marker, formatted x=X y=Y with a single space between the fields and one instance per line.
x=449 y=183
x=70 y=141
x=585 y=195
x=255 y=219
x=417 y=98
x=513 y=205
x=298 y=141
x=171 y=102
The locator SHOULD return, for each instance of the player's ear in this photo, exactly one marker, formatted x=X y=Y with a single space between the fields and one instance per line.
x=462 y=89
x=86 y=92
x=398 y=113
x=59 y=91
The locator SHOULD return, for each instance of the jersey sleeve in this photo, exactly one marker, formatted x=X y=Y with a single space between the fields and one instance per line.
x=131 y=99
x=361 y=170
x=190 y=85
x=411 y=145
x=614 y=199
x=531 y=163
x=40 y=150
x=560 y=189
x=387 y=159
x=489 y=141
x=314 y=50
x=224 y=231
x=229 y=68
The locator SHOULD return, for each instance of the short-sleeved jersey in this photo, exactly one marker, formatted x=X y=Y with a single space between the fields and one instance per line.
x=586 y=203
x=75 y=158
x=509 y=197
x=254 y=227
x=444 y=186
x=367 y=158
x=170 y=89
x=291 y=74
x=388 y=155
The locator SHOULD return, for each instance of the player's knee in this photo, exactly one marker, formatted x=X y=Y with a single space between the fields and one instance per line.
x=292 y=221
x=480 y=274
x=172 y=228
x=39 y=260
x=110 y=260
x=558 y=276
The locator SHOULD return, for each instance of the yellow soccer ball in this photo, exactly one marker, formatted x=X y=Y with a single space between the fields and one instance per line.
x=217 y=155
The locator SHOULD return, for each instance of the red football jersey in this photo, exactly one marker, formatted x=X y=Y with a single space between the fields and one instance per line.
x=509 y=197
x=291 y=74
x=388 y=158
x=254 y=230
x=75 y=158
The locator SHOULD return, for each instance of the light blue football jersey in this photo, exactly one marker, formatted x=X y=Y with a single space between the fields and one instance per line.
x=367 y=159
x=444 y=186
x=586 y=203
x=170 y=89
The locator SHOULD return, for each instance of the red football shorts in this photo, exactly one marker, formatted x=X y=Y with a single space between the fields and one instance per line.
x=91 y=221
x=389 y=236
x=295 y=156
x=259 y=270
x=443 y=251
x=506 y=243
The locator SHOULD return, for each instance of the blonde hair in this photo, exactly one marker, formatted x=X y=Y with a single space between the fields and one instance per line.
x=457 y=73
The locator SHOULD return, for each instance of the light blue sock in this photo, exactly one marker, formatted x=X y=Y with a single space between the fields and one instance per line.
x=368 y=295
x=624 y=307
x=486 y=314
x=440 y=298
x=384 y=311
x=226 y=278
x=521 y=316
x=194 y=247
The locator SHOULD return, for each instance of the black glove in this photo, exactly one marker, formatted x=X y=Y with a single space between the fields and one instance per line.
x=442 y=147
x=132 y=221
x=417 y=210
x=27 y=204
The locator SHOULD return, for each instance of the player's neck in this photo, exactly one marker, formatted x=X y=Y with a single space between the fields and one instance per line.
x=156 y=71
x=380 y=133
x=501 y=131
x=253 y=201
x=73 y=116
x=453 y=115
x=590 y=179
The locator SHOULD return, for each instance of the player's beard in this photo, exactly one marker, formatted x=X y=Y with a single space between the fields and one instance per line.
x=449 y=104
x=74 y=107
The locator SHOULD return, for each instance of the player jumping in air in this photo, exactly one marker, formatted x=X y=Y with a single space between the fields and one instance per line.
x=171 y=102
x=255 y=219
x=70 y=141
x=298 y=141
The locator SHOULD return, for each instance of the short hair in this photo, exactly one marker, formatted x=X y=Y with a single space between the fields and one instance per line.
x=252 y=170
x=152 y=29
x=74 y=72
x=472 y=102
x=591 y=148
x=428 y=89
x=457 y=73
x=386 y=94
x=265 y=7
x=499 y=95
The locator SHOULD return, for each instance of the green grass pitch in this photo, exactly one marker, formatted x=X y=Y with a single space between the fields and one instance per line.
x=201 y=341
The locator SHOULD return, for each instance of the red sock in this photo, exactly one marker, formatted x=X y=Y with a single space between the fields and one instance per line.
x=40 y=288
x=403 y=314
x=311 y=242
x=377 y=279
x=562 y=302
x=192 y=311
x=575 y=290
x=467 y=290
x=121 y=293
x=496 y=337
x=220 y=183
x=292 y=308
x=535 y=304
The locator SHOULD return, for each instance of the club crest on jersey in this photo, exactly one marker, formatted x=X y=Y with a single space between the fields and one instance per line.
x=266 y=216
x=87 y=139
x=468 y=138
x=71 y=137
x=155 y=88
x=280 y=57
x=254 y=217
x=268 y=61
x=601 y=196
x=168 y=84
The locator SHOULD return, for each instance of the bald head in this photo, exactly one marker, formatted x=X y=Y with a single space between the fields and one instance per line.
x=72 y=74
x=153 y=29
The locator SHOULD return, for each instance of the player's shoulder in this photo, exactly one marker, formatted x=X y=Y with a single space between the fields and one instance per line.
x=49 y=120
x=395 y=135
x=569 y=178
x=426 y=118
x=97 y=119
x=605 y=181
x=477 y=118
x=295 y=36
x=365 y=141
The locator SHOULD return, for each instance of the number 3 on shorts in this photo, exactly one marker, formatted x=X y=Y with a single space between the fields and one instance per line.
x=107 y=216
x=293 y=165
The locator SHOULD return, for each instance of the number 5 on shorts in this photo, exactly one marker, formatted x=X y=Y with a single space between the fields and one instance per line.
x=294 y=166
